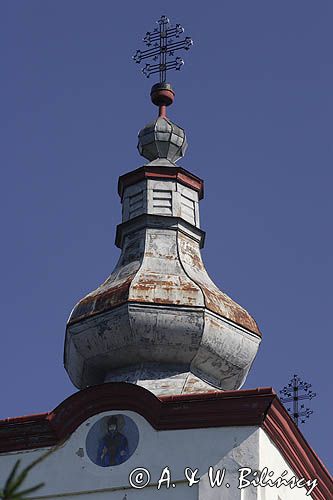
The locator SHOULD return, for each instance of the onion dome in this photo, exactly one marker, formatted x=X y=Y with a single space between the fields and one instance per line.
x=162 y=139
x=158 y=320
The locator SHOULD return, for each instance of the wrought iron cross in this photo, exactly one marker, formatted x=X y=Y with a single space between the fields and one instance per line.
x=291 y=391
x=162 y=46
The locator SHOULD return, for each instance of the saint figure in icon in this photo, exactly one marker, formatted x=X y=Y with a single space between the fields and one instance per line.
x=113 y=446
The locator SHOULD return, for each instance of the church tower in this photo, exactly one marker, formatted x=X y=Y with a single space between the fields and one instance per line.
x=159 y=354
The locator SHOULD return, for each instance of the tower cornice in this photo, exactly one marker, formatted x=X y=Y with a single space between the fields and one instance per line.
x=158 y=172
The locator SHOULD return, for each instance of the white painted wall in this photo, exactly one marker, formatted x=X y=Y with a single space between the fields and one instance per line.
x=69 y=473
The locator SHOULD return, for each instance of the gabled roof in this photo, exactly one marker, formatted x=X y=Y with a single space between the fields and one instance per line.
x=259 y=407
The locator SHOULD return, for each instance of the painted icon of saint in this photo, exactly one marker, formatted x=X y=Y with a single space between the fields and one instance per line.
x=113 y=447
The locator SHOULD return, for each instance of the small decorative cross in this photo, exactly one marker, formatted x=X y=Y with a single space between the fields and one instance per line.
x=162 y=46
x=291 y=391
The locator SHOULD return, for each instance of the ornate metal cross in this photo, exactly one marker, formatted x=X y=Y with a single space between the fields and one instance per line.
x=291 y=391
x=162 y=45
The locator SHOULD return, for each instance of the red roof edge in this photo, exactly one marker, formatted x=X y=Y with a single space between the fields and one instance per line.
x=251 y=407
x=298 y=453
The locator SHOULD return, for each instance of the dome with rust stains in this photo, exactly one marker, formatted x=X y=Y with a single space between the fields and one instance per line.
x=159 y=320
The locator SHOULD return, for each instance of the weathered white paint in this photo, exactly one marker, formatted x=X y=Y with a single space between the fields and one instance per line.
x=151 y=377
x=162 y=197
x=166 y=319
x=69 y=473
x=159 y=306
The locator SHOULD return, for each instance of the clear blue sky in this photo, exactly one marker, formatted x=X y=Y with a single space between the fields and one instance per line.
x=255 y=98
